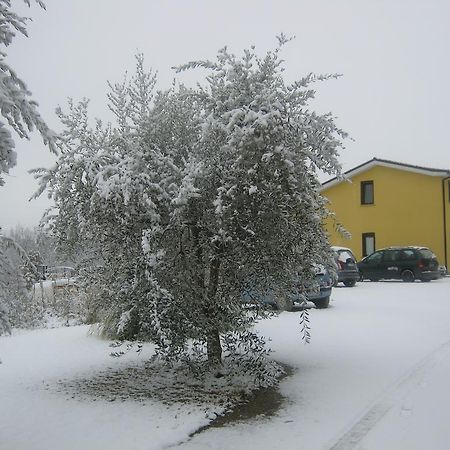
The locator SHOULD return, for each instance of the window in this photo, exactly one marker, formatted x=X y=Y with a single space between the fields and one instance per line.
x=426 y=253
x=368 y=243
x=367 y=193
x=344 y=255
x=407 y=255
x=375 y=258
x=391 y=256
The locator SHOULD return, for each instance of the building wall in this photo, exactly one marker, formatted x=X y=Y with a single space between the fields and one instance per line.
x=446 y=192
x=407 y=210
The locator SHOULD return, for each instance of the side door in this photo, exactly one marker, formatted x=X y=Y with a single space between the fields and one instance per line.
x=370 y=266
x=391 y=264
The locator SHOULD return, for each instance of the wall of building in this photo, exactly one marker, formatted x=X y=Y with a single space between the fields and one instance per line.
x=407 y=210
x=446 y=207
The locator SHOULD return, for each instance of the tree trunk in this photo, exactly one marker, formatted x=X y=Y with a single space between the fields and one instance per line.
x=214 y=350
x=213 y=339
x=214 y=347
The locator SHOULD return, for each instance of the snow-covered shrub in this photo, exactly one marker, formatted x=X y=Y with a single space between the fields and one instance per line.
x=16 y=306
x=5 y=327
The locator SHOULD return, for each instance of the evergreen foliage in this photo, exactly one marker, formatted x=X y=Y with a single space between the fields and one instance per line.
x=16 y=106
x=194 y=197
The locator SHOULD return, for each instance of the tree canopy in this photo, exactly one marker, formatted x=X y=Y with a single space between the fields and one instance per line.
x=193 y=197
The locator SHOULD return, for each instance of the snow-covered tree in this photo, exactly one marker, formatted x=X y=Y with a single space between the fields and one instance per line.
x=16 y=307
x=39 y=245
x=19 y=111
x=194 y=197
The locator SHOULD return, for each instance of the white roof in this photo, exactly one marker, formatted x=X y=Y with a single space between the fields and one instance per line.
x=337 y=248
x=385 y=163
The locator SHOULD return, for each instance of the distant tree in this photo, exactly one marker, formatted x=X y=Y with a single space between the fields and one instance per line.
x=23 y=303
x=194 y=197
x=39 y=245
x=16 y=106
x=15 y=296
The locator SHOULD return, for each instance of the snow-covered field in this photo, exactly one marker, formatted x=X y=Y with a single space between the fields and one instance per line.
x=376 y=375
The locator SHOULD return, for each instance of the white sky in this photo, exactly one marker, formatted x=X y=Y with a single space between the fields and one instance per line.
x=393 y=99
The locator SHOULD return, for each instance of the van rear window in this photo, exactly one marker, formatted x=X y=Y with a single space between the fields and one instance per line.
x=425 y=253
x=344 y=255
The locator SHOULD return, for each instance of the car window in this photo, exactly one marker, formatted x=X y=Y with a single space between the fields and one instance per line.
x=344 y=255
x=407 y=255
x=426 y=253
x=374 y=258
x=391 y=255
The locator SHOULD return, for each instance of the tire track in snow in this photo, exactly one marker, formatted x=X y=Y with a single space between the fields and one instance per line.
x=390 y=397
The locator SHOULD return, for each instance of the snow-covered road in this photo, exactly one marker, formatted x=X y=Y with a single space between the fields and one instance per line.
x=374 y=376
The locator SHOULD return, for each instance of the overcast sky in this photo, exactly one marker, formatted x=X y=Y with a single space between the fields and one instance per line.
x=393 y=98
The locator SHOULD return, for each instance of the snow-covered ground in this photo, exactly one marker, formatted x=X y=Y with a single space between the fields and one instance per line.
x=376 y=375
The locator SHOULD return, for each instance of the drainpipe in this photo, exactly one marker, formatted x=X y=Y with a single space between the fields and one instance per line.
x=444 y=210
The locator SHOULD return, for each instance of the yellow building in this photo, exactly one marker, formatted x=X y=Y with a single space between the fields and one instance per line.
x=385 y=203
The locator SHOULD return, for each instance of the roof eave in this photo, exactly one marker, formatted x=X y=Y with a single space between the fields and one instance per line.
x=384 y=163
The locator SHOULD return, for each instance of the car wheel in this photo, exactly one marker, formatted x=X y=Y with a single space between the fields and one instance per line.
x=349 y=283
x=408 y=276
x=322 y=303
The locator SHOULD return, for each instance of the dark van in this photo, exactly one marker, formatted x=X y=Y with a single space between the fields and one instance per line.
x=403 y=263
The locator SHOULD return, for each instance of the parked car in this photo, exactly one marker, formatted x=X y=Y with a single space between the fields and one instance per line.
x=320 y=297
x=346 y=269
x=405 y=263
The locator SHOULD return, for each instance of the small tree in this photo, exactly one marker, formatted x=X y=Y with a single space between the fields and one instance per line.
x=16 y=106
x=194 y=198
